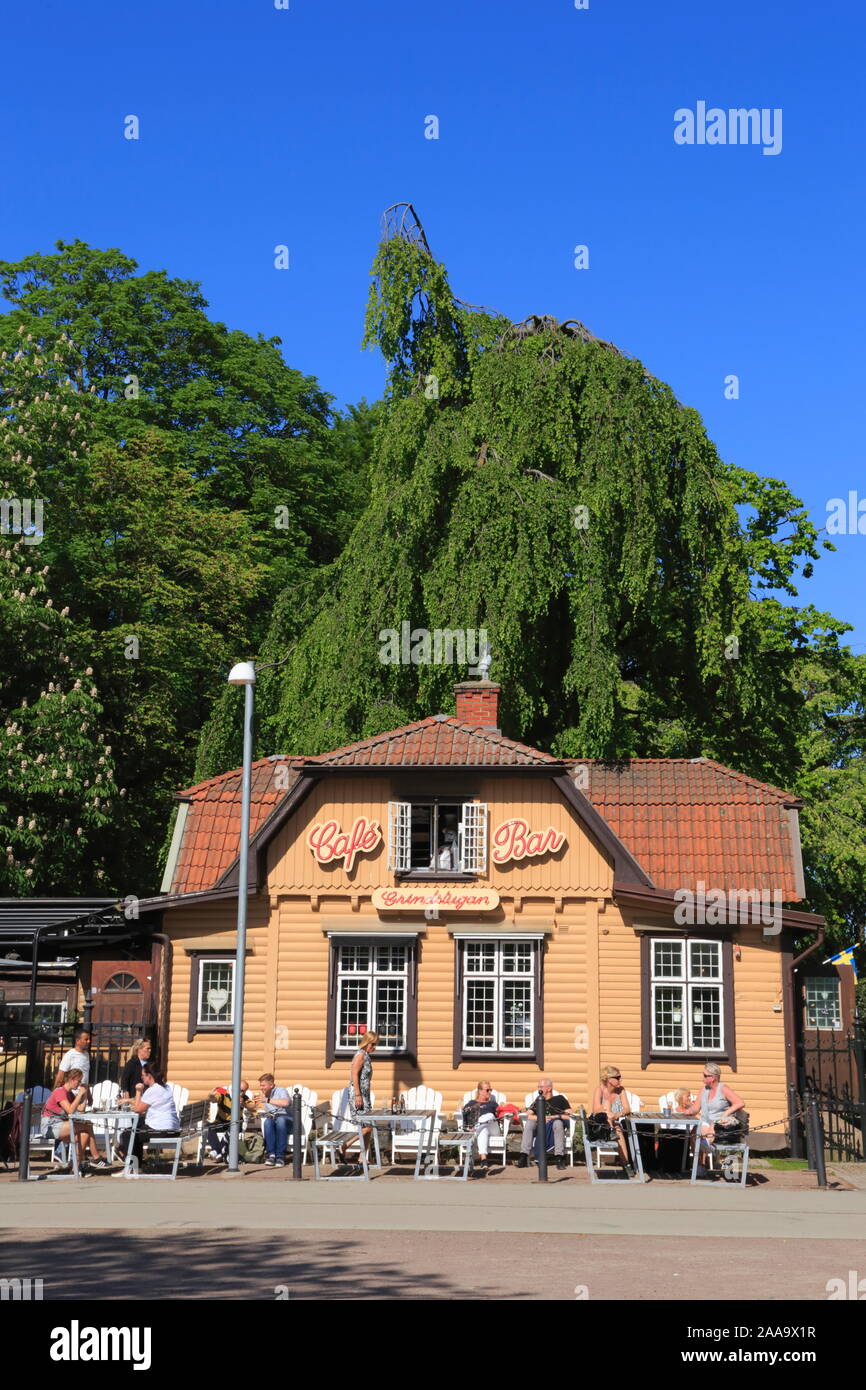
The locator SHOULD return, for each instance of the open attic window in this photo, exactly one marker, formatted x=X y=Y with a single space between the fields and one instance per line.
x=437 y=838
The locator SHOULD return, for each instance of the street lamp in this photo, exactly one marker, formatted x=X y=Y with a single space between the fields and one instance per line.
x=244 y=673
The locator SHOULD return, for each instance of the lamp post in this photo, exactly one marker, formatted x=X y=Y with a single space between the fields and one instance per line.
x=243 y=674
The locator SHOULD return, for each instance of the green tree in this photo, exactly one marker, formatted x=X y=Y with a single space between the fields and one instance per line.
x=58 y=790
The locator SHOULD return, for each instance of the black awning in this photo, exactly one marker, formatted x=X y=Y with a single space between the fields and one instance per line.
x=31 y=928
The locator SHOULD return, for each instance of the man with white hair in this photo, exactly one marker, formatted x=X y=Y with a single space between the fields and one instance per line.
x=557 y=1110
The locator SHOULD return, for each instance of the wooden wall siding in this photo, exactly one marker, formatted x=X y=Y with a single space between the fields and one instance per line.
x=207 y=1060
x=580 y=867
x=760 y=1077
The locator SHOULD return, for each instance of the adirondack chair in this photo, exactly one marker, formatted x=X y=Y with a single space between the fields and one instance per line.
x=570 y=1125
x=406 y=1136
x=498 y=1142
x=104 y=1095
x=180 y=1093
x=309 y=1101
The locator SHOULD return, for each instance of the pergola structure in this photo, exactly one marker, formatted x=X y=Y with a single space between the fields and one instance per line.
x=36 y=931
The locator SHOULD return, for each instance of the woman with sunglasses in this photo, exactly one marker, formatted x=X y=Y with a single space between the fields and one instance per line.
x=716 y=1102
x=480 y=1114
x=611 y=1099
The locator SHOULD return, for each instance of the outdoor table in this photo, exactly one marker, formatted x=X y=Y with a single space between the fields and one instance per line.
x=385 y=1119
x=651 y=1117
x=131 y=1117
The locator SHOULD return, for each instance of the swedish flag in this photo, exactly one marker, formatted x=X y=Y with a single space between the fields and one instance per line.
x=845 y=957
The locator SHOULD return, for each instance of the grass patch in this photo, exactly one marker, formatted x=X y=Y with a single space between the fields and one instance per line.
x=786 y=1163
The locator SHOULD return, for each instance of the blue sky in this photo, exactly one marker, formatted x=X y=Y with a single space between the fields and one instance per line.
x=262 y=127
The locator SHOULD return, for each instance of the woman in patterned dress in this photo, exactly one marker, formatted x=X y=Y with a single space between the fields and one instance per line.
x=360 y=1076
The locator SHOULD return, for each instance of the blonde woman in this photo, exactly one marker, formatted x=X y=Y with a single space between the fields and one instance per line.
x=716 y=1102
x=131 y=1075
x=611 y=1100
x=360 y=1076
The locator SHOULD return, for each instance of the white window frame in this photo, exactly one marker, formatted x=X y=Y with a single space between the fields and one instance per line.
x=373 y=977
x=825 y=982
x=499 y=977
x=687 y=983
x=471 y=837
x=23 y=1005
x=229 y=1021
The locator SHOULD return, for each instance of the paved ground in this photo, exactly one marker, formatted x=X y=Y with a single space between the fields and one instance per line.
x=501 y=1237
x=396 y=1265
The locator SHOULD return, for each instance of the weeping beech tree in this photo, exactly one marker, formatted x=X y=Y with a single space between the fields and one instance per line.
x=534 y=482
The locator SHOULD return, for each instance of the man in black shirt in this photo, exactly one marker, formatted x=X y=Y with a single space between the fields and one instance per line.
x=557 y=1109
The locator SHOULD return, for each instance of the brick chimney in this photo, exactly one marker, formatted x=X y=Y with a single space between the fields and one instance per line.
x=477 y=702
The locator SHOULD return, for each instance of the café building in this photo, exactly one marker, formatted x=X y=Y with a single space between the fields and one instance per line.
x=491 y=911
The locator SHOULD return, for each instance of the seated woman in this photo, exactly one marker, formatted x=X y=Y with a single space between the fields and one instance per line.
x=611 y=1100
x=67 y=1100
x=716 y=1103
x=154 y=1101
x=682 y=1101
x=480 y=1114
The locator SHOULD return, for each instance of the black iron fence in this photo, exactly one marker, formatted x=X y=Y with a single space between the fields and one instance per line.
x=46 y=1043
x=833 y=1069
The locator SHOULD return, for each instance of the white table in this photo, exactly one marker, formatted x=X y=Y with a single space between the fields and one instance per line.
x=668 y=1122
x=385 y=1119
x=130 y=1120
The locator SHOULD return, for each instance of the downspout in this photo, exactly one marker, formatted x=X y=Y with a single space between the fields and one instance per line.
x=165 y=963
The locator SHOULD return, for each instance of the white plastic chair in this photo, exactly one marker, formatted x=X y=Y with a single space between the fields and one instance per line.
x=104 y=1095
x=180 y=1093
x=568 y=1120
x=635 y=1102
x=498 y=1142
x=406 y=1137
x=309 y=1101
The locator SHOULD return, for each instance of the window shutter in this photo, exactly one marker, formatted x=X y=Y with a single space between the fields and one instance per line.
x=473 y=838
x=399 y=835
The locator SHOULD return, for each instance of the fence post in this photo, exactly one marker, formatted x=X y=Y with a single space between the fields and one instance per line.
x=794 y=1124
x=817 y=1141
x=298 y=1137
x=541 y=1138
x=858 y=1052
x=24 y=1139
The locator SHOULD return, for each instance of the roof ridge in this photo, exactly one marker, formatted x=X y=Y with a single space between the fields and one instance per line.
x=237 y=772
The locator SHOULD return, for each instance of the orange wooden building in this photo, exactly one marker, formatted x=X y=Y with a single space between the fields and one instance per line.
x=491 y=911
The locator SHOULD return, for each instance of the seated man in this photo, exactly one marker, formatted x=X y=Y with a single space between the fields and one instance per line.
x=275 y=1104
x=557 y=1109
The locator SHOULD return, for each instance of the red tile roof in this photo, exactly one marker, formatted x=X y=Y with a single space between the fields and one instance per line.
x=442 y=741
x=213 y=822
x=682 y=820
x=686 y=820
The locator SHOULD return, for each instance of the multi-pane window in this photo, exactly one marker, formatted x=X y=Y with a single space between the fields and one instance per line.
x=687 y=1003
x=823 y=1004
x=498 y=985
x=372 y=985
x=216 y=992
x=428 y=837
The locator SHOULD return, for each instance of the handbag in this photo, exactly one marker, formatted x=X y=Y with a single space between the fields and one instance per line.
x=598 y=1128
x=734 y=1132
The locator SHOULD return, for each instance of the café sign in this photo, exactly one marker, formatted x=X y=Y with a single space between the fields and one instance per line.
x=328 y=842
x=421 y=899
x=513 y=839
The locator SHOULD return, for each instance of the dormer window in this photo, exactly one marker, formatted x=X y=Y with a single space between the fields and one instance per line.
x=437 y=837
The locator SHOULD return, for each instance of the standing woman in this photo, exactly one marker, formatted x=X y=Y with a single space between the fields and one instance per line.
x=611 y=1099
x=360 y=1075
x=131 y=1074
